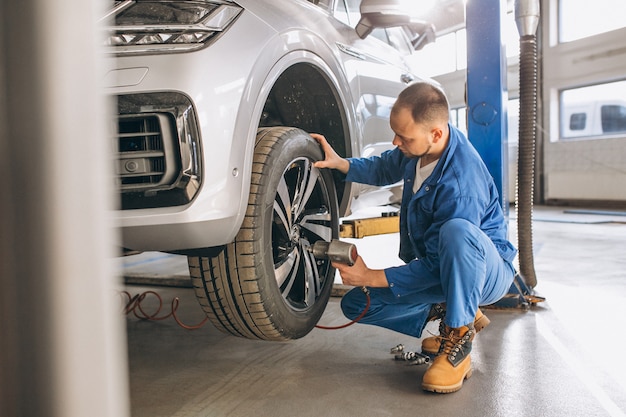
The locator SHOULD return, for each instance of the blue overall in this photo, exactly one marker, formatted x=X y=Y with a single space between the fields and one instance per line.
x=453 y=238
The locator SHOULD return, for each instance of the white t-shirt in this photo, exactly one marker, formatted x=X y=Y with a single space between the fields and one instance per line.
x=421 y=173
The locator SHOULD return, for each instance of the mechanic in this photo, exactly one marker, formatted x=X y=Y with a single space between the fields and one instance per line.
x=453 y=236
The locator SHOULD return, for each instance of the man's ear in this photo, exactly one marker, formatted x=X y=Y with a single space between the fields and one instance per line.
x=437 y=133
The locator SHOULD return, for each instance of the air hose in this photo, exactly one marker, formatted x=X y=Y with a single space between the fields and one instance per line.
x=134 y=305
x=356 y=320
x=527 y=19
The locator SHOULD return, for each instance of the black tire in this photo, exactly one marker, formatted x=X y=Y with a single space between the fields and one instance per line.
x=266 y=284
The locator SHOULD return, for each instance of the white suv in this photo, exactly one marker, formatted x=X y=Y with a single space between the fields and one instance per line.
x=215 y=99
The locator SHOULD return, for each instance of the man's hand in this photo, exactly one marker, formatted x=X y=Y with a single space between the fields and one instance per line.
x=331 y=158
x=359 y=275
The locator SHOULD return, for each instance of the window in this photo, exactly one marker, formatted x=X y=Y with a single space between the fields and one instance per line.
x=513 y=121
x=398 y=40
x=583 y=18
x=394 y=37
x=510 y=35
x=578 y=121
x=341 y=13
x=449 y=52
x=442 y=56
x=380 y=34
x=593 y=111
x=354 y=11
x=458 y=118
x=613 y=118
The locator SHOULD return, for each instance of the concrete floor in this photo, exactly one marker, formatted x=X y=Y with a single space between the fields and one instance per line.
x=563 y=357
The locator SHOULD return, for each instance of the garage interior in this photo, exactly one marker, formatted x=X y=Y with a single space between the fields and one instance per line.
x=69 y=349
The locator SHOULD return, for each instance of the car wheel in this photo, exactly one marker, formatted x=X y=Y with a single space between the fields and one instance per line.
x=267 y=284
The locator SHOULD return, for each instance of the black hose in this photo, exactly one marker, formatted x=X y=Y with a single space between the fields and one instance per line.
x=526 y=157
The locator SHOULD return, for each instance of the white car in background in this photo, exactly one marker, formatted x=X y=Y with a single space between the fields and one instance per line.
x=214 y=102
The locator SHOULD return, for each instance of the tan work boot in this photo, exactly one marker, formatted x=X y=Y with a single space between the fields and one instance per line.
x=453 y=363
x=430 y=345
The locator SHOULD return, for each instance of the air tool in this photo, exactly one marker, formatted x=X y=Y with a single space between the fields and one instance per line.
x=342 y=253
x=335 y=251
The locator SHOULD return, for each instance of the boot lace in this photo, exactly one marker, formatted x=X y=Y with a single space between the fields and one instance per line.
x=453 y=344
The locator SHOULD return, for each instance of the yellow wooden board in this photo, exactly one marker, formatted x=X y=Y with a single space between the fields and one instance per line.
x=369 y=227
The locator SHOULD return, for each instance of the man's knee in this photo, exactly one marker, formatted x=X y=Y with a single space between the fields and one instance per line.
x=455 y=231
x=353 y=303
x=455 y=226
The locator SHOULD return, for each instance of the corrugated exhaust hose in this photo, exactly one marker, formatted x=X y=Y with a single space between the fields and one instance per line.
x=527 y=19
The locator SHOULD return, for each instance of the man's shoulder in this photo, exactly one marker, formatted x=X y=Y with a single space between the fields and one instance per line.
x=466 y=169
x=464 y=151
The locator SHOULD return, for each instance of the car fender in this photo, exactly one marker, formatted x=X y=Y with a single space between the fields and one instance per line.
x=258 y=88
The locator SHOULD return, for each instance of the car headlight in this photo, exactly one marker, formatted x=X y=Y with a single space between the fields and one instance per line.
x=152 y=26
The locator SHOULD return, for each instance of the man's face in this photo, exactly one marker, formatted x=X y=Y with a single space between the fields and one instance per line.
x=414 y=140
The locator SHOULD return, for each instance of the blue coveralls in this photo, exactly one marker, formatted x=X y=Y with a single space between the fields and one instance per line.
x=453 y=238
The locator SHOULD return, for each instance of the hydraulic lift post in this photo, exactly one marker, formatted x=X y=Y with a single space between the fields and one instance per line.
x=486 y=89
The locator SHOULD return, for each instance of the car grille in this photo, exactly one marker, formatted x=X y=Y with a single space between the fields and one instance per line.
x=158 y=150
x=141 y=153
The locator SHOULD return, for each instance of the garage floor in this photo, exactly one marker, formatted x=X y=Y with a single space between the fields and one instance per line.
x=563 y=357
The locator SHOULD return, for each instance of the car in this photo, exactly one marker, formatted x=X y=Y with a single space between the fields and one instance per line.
x=215 y=102
x=593 y=118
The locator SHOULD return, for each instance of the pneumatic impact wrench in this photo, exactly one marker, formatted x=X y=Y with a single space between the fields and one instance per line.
x=342 y=253
x=336 y=251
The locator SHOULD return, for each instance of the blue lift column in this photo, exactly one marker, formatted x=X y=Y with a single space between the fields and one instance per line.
x=487 y=89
